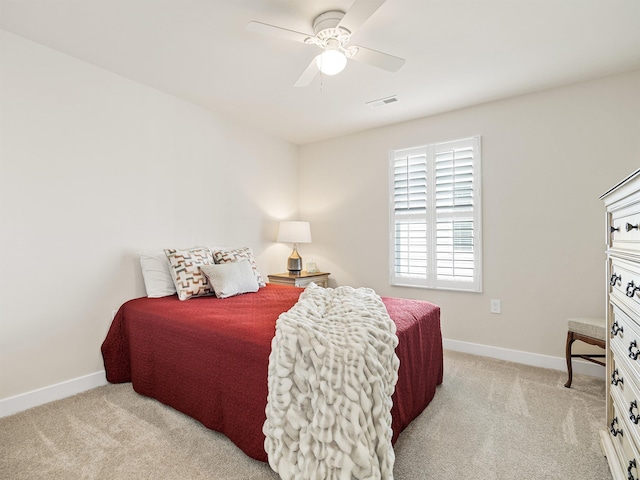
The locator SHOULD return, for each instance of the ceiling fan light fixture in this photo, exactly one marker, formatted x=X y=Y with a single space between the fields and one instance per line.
x=331 y=61
x=332 y=32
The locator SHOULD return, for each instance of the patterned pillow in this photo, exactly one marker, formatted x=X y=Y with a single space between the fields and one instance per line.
x=235 y=254
x=185 y=269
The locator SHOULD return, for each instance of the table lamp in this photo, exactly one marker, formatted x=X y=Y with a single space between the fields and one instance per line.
x=294 y=232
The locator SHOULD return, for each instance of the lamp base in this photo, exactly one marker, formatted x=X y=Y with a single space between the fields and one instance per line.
x=294 y=262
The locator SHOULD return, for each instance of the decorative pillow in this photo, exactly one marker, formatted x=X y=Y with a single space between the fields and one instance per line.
x=156 y=271
x=187 y=276
x=228 y=279
x=236 y=254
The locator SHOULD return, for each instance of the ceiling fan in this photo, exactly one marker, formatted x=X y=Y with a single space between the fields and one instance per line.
x=331 y=32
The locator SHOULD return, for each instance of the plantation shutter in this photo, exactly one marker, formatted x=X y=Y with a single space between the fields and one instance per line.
x=435 y=216
x=410 y=205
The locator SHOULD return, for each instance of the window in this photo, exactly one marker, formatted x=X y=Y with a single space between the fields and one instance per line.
x=435 y=216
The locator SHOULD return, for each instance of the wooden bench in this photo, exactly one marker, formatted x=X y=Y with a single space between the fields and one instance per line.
x=587 y=330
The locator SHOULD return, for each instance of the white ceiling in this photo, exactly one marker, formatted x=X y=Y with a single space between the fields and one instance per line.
x=459 y=53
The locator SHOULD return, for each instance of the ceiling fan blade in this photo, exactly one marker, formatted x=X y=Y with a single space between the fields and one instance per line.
x=267 y=29
x=385 y=61
x=308 y=75
x=359 y=13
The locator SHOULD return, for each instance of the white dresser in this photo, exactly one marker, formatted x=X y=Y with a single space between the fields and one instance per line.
x=621 y=439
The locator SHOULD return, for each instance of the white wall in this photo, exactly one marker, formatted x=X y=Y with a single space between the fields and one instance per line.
x=94 y=168
x=547 y=157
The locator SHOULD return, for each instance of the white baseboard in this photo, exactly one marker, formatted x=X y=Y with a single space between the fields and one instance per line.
x=11 y=405
x=581 y=367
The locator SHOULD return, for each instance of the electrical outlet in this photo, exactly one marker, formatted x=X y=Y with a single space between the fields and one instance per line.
x=495 y=306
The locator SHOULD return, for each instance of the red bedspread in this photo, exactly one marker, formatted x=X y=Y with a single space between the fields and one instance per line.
x=208 y=357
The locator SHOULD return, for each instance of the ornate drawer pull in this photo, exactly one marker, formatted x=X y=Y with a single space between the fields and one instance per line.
x=614 y=229
x=633 y=355
x=615 y=279
x=634 y=418
x=614 y=431
x=616 y=378
x=632 y=465
x=632 y=288
x=630 y=227
x=615 y=328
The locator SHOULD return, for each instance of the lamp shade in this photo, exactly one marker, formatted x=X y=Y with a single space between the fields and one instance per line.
x=331 y=62
x=294 y=232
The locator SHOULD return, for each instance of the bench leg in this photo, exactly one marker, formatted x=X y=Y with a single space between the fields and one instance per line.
x=570 y=341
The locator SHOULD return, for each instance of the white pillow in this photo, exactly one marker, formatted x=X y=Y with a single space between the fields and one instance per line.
x=228 y=279
x=158 y=280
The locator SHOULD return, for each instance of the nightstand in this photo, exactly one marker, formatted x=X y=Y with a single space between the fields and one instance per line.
x=301 y=280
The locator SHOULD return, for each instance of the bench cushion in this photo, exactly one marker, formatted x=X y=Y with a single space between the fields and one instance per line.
x=590 y=327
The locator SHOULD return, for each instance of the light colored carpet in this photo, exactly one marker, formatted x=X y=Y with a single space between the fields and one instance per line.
x=489 y=420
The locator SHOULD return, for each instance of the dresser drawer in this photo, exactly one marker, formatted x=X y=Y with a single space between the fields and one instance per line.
x=626 y=397
x=624 y=282
x=624 y=228
x=625 y=449
x=625 y=341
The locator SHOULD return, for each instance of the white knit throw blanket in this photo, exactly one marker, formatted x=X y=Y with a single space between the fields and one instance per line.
x=332 y=371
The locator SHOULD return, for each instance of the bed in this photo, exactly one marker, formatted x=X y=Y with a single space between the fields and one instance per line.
x=208 y=357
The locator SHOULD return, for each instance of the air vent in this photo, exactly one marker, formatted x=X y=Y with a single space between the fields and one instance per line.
x=383 y=101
